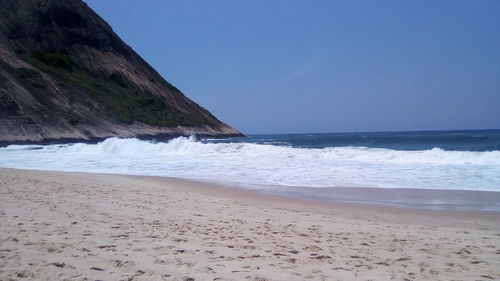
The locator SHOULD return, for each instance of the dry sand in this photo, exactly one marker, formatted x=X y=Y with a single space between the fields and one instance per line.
x=77 y=226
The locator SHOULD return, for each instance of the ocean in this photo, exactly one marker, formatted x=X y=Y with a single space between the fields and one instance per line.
x=302 y=164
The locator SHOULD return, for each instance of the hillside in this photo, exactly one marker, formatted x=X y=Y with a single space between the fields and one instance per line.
x=65 y=75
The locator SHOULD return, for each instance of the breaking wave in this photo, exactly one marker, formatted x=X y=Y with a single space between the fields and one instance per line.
x=268 y=164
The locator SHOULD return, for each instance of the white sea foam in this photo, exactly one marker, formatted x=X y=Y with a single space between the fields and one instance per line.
x=268 y=164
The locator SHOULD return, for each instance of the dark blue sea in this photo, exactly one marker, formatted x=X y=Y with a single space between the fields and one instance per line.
x=471 y=140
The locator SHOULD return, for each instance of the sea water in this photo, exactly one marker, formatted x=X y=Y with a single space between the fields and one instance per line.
x=444 y=160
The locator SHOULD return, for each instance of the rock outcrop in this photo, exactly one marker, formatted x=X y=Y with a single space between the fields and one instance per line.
x=65 y=75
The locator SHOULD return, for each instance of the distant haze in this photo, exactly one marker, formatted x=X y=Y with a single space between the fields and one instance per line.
x=324 y=66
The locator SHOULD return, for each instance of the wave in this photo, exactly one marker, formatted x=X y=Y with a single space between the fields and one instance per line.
x=268 y=164
x=190 y=146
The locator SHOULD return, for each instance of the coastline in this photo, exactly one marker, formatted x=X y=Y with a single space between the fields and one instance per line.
x=58 y=225
x=95 y=140
x=404 y=198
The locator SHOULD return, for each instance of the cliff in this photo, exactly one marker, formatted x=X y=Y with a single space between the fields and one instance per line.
x=65 y=75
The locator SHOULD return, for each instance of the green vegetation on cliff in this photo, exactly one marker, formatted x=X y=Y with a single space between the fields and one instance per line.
x=124 y=100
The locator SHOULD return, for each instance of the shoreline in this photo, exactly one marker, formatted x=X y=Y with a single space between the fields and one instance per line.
x=406 y=198
x=400 y=198
x=68 y=225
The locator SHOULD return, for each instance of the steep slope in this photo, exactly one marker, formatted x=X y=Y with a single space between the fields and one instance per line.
x=64 y=74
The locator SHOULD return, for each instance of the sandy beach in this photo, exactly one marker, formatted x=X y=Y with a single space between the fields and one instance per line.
x=80 y=226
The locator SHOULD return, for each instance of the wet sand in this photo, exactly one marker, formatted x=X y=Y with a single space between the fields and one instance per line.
x=408 y=198
x=80 y=226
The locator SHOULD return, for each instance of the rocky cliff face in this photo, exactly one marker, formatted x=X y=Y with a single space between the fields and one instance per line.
x=64 y=74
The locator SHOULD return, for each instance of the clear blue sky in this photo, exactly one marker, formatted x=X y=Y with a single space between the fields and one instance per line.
x=324 y=66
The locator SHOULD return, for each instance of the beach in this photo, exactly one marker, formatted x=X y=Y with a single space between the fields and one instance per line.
x=84 y=226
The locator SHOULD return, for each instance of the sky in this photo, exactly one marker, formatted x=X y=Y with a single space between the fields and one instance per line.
x=287 y=66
